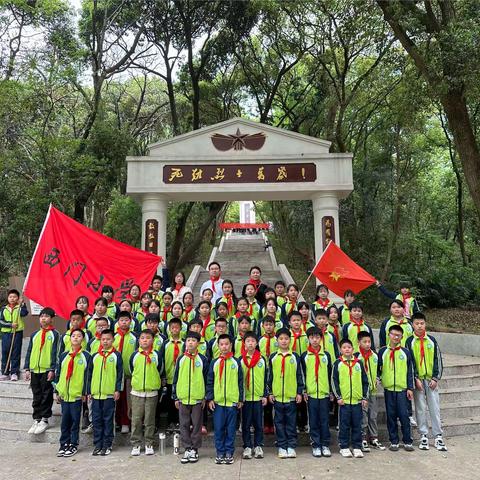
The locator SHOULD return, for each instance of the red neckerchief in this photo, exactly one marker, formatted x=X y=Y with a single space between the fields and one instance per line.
x=323 y=303
x=400 y=322
x=345 y=307
x=269 y=338
x=213 y=280
x=105 y=355
x=304 y=324
x=223 y=359
x=358 y=325
x=255 y=283
x=366 y=354
x=186 y=312
x=176 y=350
x=255 y=359
x=292 y=305
x=122 y=339
x=335 y=332
x=392 y=353
x=166 y=311
x=422 y=348
x=205 y=325
x=228 y=297
x=317 y=359
x=324 y=333
x=296 y=336
x=44 y=335
x=71 y=363
x=145 y=310
x=349 y=363
x=191 y=357
x=146 y=354
x=250 y=309
x=98 y=335
x=178 y=287
x=406 y=296
x=284 y=357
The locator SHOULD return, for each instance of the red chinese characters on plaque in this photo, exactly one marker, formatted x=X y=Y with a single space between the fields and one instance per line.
x=251 y=173
x=151 y=236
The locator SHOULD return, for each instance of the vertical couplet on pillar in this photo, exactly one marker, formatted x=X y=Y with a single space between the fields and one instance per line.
x=328 y=230
x=151 y=236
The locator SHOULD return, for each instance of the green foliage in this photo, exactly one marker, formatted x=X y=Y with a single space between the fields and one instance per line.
x=124 y=220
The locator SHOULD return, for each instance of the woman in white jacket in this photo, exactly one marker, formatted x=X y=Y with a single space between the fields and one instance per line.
x=180 y=289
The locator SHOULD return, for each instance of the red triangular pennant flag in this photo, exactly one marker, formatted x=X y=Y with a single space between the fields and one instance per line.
x=339 y=272
x=72 y=260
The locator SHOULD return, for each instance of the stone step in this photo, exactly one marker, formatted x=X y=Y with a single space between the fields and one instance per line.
x=460 y=381
x=451 y=395
x=472 y=368
x=24 y=417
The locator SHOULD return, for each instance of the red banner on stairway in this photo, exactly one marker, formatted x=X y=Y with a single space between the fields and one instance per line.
x=244 y=226
x=72 y=260
x=339 y=272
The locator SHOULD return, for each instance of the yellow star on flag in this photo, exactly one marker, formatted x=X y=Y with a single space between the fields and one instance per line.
x=335 y=276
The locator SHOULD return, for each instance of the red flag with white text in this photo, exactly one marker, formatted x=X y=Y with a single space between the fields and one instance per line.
x=339 y=272
x=71 y=260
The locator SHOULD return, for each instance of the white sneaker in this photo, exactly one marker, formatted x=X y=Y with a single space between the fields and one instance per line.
x=413 y=423
x=135 y=451
x=357 y=453
x=13 y=377
x=4 y=378
x=41 y=427
x=317 y=452
x=291 y=453
x=247 y=453
x=345 y=453
x=282 y=453
x=149 y=450
x=186 y=457
x=326 y=452
x=125 y=429
x=258 y=452
x=423 y=445
x=34 y=426
x=440 y=444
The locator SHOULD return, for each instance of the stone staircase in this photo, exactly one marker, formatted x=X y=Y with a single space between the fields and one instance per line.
x=460 y=401
x=239 y=253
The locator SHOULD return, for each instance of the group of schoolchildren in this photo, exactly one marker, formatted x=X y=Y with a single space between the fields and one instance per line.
x=281 y=366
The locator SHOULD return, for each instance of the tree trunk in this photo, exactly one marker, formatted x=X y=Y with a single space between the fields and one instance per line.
x=174 y=253
x=455 y=107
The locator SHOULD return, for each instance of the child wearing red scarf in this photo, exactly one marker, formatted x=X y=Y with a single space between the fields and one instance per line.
x=369 y=359
x=321 y=300
x=357 y=324
x=255 y=385
x=409 y=302
x=71 y=387
x=105 y=376
x=427 y=360
x=40 y=364
x=169 y=353
x=229 y=298
x=244 y=326
x=317 y=368
x=225 y=396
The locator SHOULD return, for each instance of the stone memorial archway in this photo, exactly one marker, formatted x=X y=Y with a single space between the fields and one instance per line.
x=235 y=160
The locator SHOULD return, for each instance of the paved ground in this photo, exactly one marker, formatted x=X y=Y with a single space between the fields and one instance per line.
x=37 y=461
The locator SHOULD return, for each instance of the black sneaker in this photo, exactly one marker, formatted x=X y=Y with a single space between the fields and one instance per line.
x=186 y=456
x=96 y=452
x=62 y=450
x=228 y=460
x=106 y=451
x=219 y=460
x=193 y=458
x=70 y=451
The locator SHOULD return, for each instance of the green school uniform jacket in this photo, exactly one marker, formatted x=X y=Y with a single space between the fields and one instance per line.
x=396 y=374
x=351 y=331
x=75 y=387
x=15 y=315
x=286 y=308
x=112 y=311
x=258 y=380
x=190 y=379
x=317 y=387
x=105 y=377
x=287 y=386
x=431 y=366
x=344 y=314
x=146 y=375
x=371 y=369
x=166 y=354
x=262 y=346
x=42 y=360
x=387 y=323
x=210 y=329
x=237 y=346
x=212 y=348
x=278 y=323
x=329 y=344
x=130 y=344
x=254 y=311
x=233 y=324
x=352 y=389
x=316 y=305
x=228 y=390
x=301 y=344
x=93 y=344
